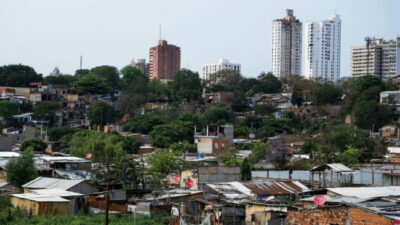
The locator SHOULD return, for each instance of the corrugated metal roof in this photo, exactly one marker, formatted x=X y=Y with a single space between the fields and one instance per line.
x=51 y=183
x=40 y=198
x=8 y=154
x=56 y=192
x=394 y=150
x=55 y=159
x=336 y=167
x=337 y=199
x=366 y=192
x=277 y=188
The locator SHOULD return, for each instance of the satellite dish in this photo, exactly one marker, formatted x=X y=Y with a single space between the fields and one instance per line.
x=396 y=222
x=320 y=200
x=189 y=183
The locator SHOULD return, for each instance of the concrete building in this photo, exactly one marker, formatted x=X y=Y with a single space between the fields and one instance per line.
x=165 y=60
x=362 y=64
x=398 y=56
x=141 y=65
x=383 y=60
x=322 y=49
x=222 y=64
x=286 y=45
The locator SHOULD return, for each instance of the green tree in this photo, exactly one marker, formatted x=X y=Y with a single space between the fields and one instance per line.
x=176 y=131
x=268 y=83
x=61 y=80
x=217 y=116
x=18 y=76
x=158 y=90
x=101 y=113
x=184 y=146
x=297 y=96
x=349 y=156
x=143 y=123
x=35 y=144
x=264 y=109
x=258 y=152
x=56 y=133
x=245 y=171
x=93 y=84
x=21 y=170
x=326 y=93
x=8 y=109
x=80 y=73
x=186 y=85
x=109 y=73
x=46 y=109
x=165 y=162
x=239 y=101
x=134 y=87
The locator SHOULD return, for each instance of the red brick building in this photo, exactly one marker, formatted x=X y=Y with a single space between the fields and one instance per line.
x=165 y=60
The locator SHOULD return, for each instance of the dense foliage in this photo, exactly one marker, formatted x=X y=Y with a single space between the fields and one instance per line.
x=101 y=113
x=21 y=170
x=18 y=76
x=36 y=144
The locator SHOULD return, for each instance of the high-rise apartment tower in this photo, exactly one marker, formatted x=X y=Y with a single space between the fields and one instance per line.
x=286 y=45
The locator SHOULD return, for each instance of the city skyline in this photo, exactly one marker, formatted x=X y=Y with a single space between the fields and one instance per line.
x=56 y=34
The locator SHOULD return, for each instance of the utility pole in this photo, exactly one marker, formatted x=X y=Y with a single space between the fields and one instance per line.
x=107 y=201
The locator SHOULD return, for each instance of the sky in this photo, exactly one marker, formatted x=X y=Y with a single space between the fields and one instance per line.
x=48 y=33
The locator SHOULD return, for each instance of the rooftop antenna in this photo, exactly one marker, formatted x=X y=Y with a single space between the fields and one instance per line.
x=80 y=62
x=159 y=32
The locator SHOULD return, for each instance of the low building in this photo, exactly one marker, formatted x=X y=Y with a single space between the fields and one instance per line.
x=79 y=186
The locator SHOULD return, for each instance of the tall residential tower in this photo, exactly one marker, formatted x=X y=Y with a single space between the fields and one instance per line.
x=286 y=45
x=322 y=49
x=165 y=60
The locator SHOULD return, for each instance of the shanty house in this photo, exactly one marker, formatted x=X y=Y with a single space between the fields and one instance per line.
x=79 y=186
x=333 y=174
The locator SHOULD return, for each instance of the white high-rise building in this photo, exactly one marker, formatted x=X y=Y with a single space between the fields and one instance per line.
x=286 y=45
x=222 y=64
x=322 y=49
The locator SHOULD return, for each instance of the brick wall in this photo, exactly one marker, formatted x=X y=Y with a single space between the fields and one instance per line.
x=361 y=217
x=329 y=216
x=338 y=215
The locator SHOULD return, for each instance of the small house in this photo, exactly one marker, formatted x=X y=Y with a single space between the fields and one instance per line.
x=79 y=186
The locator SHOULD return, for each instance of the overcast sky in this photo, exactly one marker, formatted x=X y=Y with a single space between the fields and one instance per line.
x=46 y=33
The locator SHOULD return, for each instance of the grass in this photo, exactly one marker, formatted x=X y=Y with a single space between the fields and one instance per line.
x=89 y=220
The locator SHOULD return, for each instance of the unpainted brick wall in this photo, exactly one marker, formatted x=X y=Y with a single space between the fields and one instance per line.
x=318 y=217
x=361 y=217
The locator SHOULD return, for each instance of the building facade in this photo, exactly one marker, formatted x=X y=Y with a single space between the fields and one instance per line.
x=141 y=65
x=380 y=58
x=322 y=49
x=165 y=60
x=222 y=64
x=286 y=45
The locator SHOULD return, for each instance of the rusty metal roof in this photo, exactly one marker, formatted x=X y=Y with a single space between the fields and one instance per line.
x=277 y=188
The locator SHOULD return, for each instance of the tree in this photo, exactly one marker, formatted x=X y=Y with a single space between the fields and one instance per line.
x=230 y=78
x=158 y=90
x=349 y=156
x=109 y=73
x=371 y=114
x=80 y=73
x=93 y=84
x=35 y=144
x=165 y=162
x=239 y=101
x=18 y=76
x=264 y=109
x=8 y=109
x=268 y=83
x=101 y=113
x=134 y=87
x=245 y=171
x=217 y=116
x=21 y=170
x=297 y=96
x=46 y=109
x=143 y=123
x=258 y=152
x=176 y=131
x=186 y=85
x=56 y=133
x=61 y=80
x=184 y=146
x=278 y=153
x=326 y=93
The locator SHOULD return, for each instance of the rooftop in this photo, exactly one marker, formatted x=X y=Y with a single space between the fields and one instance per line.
x=51 y=183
